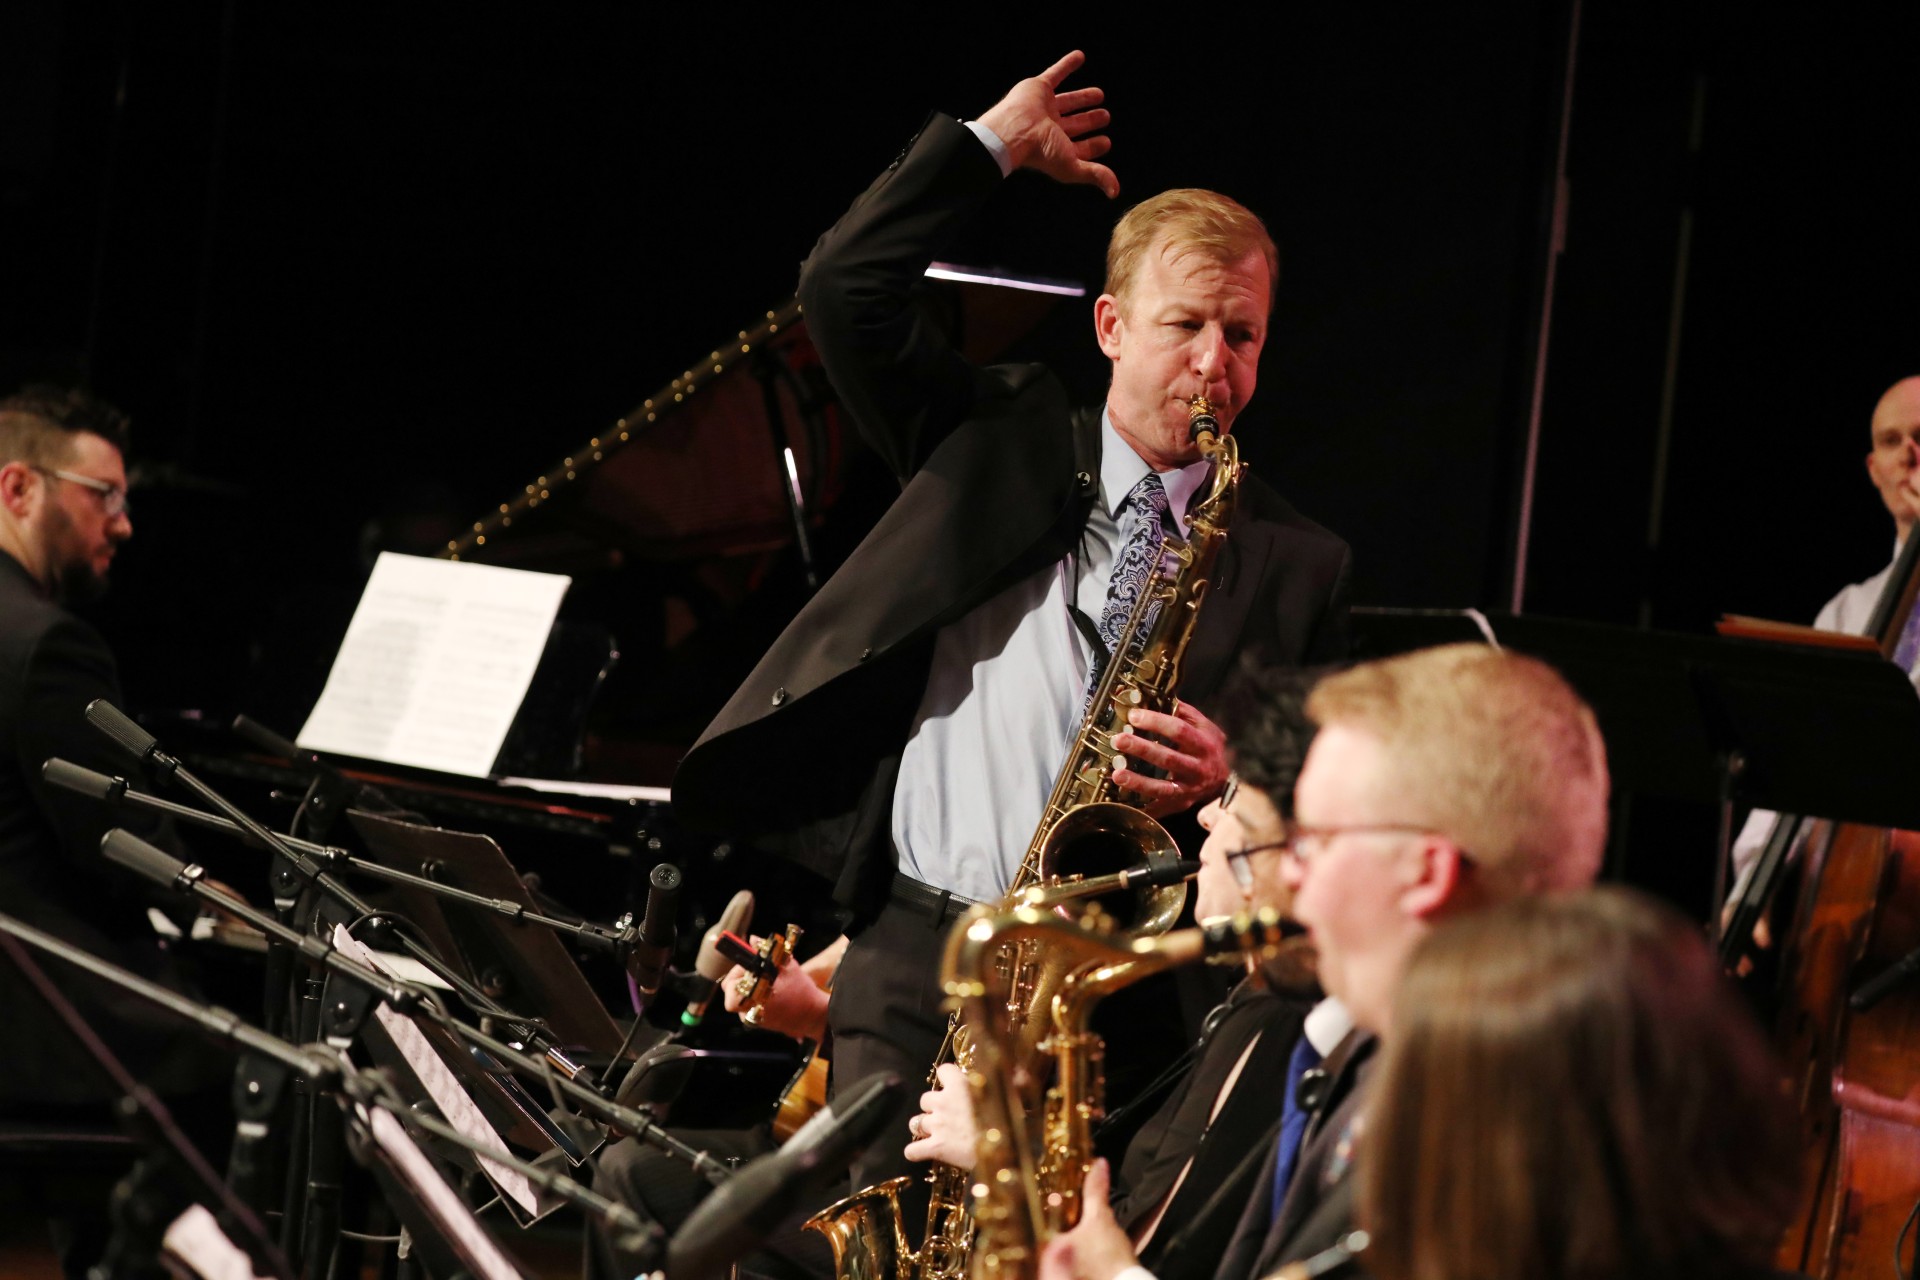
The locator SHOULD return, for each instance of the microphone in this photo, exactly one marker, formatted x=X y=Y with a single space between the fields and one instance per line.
x=69 y=776
x=754 y=1202
x=130 y=737
x=266 y=741
x=659 y=1074
x=647 y=959
x=710 y=965
x=1156 y=872
x=145 y=860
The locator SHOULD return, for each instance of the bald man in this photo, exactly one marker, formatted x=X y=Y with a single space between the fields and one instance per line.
x=1893 y=464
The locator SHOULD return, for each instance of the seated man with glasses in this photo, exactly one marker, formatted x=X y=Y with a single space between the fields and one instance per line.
x=1188 y=1170
x=63 y=514
x=1438 y=783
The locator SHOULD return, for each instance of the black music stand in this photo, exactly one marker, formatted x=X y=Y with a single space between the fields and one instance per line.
x=522 y=966
x=514 y=1114
x=1800 y=728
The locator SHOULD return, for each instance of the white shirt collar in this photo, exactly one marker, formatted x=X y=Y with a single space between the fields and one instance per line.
x=1121 y=469
x=1327 y=1025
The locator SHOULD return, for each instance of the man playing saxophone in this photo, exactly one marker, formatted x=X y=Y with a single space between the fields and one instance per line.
x=901 y=736
x=1180 y=1185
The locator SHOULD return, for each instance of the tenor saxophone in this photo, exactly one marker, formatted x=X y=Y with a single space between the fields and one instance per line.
x=1087 y=831
x=1025 y=1187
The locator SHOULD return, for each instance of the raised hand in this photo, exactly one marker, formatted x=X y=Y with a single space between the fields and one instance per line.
x=1048 y=131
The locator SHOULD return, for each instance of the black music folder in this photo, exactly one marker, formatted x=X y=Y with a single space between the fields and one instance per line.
x=1814 y=728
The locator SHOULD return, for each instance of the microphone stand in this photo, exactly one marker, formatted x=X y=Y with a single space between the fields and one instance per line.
x=116 y=791
x=131 y=851
x=137 y=1205
x=368 y=1088
x=619 y=938
x=142 y=746
x=262 y=1152
x=329 y=793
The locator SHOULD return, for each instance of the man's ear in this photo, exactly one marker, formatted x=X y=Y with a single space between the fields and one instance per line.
x=1107 y=324
x=1434 y=878
x=17 y=489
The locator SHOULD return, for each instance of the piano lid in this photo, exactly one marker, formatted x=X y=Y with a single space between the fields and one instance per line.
x=734 y=453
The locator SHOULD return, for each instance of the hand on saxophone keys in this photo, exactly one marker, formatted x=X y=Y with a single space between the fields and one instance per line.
x=1096 y=1249
x=1186 y=746
x=943 y=1130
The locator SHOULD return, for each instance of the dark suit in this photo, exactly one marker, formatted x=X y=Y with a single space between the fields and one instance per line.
x=52 y=875
x=1318 y=1208
x=1225 y=1150
x=998 y=474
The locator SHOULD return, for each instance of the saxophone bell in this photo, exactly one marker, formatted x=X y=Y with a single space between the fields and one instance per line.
x=1104 y=844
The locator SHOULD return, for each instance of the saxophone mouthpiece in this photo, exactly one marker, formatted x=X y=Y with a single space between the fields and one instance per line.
x=1200 y=419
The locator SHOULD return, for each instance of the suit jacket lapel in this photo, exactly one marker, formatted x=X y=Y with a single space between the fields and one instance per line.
x=1223 y=614
x=1325 y=1131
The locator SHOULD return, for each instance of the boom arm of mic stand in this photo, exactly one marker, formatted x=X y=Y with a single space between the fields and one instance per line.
x=115 y=791
x=140 y=744
x=240 y=1215
x=369 y=1088
x=133 y=852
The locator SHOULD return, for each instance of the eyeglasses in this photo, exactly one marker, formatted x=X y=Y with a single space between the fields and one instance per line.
x=113 y=499
x=1238 y=861
x=1305 y=843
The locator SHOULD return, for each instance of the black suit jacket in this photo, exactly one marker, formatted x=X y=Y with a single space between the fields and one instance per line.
x=52 y=874
x=998 y=473
x=1318 y=1208
x=1224 y=1150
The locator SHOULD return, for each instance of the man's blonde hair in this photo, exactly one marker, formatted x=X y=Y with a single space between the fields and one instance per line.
x=1494 y=750
x=1188 y=220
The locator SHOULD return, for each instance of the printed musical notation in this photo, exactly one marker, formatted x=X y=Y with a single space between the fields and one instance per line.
x=435 y=664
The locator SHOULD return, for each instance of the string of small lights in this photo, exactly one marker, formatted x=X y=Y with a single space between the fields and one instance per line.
x=572 y=468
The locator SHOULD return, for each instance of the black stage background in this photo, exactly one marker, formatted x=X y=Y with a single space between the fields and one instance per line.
x=347 y=264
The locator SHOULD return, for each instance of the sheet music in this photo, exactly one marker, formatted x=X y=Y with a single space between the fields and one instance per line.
x=435 y=664
x=456 y=1105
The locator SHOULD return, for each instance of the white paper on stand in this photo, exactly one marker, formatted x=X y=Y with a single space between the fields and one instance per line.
x=462 y=1229
x=435 y=664
x=196 y=1239
x=456 y=1105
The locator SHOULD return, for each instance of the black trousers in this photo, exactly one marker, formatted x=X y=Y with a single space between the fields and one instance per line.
x=885 y=1016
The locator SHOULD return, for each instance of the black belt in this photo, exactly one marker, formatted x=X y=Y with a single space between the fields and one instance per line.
x=942 y=904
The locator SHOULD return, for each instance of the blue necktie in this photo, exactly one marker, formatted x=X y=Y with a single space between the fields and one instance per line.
x=1293 y=1120
x=1143 y=532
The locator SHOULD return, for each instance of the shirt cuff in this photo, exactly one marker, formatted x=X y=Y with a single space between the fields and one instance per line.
x=991 y=141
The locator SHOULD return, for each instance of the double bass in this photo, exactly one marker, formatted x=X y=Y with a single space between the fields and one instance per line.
x=1847 y=1014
